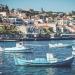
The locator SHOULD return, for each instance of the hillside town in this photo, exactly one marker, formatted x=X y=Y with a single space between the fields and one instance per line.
x=19 y=23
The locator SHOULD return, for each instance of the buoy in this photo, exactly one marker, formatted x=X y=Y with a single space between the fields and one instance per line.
x=2 y=60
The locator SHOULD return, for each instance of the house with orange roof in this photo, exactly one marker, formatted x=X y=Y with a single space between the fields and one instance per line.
x=14 y=19
x=72 y=29
x=38 y=28
x=62 y=21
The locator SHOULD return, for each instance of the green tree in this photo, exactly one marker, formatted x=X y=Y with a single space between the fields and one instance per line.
x=12 y=10
x=13 y=29
x=6 y=9
x=6 y=29
x=44 y=30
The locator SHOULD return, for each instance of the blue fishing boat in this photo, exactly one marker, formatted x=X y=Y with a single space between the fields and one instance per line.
x=48 y=61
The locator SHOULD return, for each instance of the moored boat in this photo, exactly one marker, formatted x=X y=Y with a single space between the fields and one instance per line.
x=60 y=45
x=19 y=48
x=49 y=61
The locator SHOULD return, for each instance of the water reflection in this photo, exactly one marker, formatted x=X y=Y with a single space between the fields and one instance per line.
x=23 y=70
x=30 y=70
x=59 y=70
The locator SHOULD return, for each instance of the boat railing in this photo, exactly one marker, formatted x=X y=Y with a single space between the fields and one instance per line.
x=29 y=60
x=68 y=58
x=39 y=58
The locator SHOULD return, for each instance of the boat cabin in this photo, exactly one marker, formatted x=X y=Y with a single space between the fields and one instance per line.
x=20 y=44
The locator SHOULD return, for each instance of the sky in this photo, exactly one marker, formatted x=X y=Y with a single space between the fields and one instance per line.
x=47 y=5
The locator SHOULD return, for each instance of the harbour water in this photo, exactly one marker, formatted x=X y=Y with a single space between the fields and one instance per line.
x=7 y=67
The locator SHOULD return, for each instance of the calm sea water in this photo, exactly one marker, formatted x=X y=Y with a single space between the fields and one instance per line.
x=8 y=67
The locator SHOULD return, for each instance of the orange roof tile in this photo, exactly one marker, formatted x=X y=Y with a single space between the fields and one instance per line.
x=12 y=15
x=73 y=28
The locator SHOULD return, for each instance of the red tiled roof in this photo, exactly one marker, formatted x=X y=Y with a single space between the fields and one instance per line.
x=12 y=15
x=65 y=18
x=73 y=28
x=4 y=24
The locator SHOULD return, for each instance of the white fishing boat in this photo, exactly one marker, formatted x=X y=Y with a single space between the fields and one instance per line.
x=60 y=45
x=19 y=48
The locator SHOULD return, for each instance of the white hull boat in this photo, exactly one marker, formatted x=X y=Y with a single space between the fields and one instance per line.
x=60 y=45
x=19 y=48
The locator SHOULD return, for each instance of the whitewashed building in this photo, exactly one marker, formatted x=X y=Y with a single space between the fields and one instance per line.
x=62 y=21
x=29 y=21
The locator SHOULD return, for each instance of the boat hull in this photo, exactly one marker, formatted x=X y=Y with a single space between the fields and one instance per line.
x=17 y=51
x=59 y=46
x=43 y=62
x=14 y=50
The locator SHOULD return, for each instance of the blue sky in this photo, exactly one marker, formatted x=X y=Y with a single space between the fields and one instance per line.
x=47 y=5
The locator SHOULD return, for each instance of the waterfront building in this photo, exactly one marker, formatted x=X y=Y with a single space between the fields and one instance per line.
x=29 y=22
x=13 y=19
x=67 y=35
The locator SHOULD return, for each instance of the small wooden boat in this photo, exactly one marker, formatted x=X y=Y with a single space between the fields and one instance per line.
x=60 y=45
x=49 y=61
x=19 y=48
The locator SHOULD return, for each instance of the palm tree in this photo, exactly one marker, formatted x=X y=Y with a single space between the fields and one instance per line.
x=13 y=29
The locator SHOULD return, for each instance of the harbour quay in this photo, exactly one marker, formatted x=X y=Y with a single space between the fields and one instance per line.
x=10 y=36
x=35 y=37
x=42 y=37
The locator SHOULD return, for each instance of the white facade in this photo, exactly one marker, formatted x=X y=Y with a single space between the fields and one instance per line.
x=29 y=21
x=62 y=21
x=41 y=20
x=16 y=21
x=71 y=23
x=3 y=14
x=54 y=29
x=62 y=30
